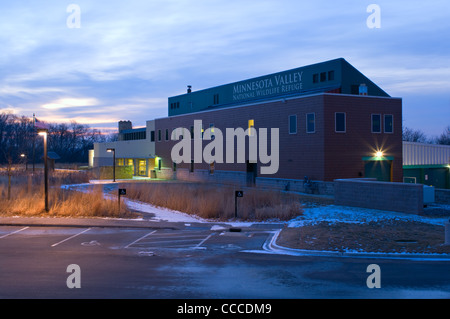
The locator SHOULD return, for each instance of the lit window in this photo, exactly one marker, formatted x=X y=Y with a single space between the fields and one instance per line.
x=376 y=123
x=388 y=123
x=251 y=126
x=211 y=127
x=292 y=124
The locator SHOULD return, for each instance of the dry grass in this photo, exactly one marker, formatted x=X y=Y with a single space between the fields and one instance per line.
x=217 y=202
x=27 y=197
x=390 y=236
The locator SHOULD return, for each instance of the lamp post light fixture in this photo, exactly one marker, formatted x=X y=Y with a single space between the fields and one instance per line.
x=44 y=133
x=24 y=157
x=113 y=150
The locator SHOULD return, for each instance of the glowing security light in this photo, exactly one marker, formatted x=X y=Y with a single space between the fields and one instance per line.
x=379 y=154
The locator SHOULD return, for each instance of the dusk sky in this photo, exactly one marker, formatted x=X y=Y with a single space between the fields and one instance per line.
x=127 y=57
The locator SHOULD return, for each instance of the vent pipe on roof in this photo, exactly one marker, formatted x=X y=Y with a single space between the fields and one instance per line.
x=189 y=88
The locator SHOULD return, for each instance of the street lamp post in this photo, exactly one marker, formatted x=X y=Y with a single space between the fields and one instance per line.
x=44 y=133
x=24 y=157
x=113 y=150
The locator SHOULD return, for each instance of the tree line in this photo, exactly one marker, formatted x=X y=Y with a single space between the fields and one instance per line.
x=72 y=142
x=415 y=135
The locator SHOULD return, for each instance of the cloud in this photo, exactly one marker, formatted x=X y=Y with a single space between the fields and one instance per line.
x=70 y=102
x=129 y=56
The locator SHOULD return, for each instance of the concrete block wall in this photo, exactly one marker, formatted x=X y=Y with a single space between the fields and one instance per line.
x=442 y=196
x=219 y=177
x=293 y=185
x=399 y=197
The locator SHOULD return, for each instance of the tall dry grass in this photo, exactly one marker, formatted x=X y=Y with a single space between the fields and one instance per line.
x=27 y=197
x=217 y=202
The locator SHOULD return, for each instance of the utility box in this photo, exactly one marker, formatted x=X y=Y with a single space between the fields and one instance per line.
x=428 y=195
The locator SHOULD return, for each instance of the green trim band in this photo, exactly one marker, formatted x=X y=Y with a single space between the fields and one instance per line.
x=375 y=158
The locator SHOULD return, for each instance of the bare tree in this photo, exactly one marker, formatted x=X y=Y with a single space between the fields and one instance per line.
x=444 y=138
x=411 y=135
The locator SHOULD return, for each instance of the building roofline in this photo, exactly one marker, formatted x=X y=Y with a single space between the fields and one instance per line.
x=262 y=76
x=281 y=99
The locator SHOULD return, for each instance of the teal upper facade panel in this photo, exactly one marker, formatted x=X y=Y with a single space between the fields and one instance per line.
x=336 y=76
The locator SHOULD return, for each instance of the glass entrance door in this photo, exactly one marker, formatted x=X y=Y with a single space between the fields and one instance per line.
x=142 y=167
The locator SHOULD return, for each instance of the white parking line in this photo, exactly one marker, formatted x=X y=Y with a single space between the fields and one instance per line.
x=201 y=243
x=62 y=241
x=140 y=239
x=14 y=232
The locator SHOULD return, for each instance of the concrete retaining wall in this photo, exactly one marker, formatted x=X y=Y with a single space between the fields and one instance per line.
x=293 y=185
x=399 y=197
x=442 y=196
x=219 y=177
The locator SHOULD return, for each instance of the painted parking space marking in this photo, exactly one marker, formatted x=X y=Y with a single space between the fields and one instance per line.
x=139 y=239
x=204 y=240
x=170 y=240
x=14 y=232
x=69 y=238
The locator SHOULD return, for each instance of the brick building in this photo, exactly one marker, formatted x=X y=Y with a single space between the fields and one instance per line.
x=324 y=121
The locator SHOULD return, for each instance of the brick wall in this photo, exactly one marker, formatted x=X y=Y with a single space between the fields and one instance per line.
x=399 y=197
x=323 y=155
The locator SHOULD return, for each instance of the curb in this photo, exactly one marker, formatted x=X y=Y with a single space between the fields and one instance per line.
x=87 y=222
x=272 y=247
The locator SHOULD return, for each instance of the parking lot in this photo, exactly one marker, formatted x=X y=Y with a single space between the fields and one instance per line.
x=213 y=238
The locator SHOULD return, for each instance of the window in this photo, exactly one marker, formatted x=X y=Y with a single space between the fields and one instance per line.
x=167 y=134
x=340 y=125
x=211 y=126
x=330 y=75
x=152 y=136
x=311 y=123
x=159 y=135
x=292 y=124
x=120 y=162
x=323 y=76
x=376 y=123
x=388 y=123
x=216 y=99
x=142 y=167
x=191 y=169
x=251 y=126
x=316 y=78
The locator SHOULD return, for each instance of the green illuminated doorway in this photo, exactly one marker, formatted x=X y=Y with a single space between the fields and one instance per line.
x=381 y=170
